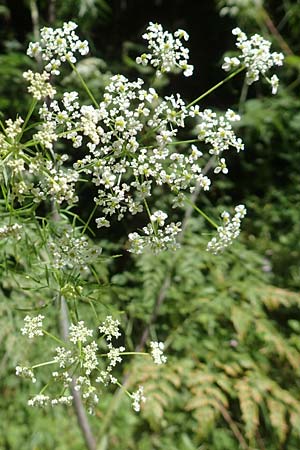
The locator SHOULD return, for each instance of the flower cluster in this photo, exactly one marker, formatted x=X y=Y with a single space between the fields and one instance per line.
x=25 y=372
x=40 y=86
x=33 y=326
x=83 y=362
x=255 y=57
x=228 y=231
x=55 y=181
x=167 y=53
x=42 y=400
x=9 y=139
x=218 y=133
x=57 y=46
x=69 y=251
x=157 y=352
x=129 y=139
x=11 y=231
x=156 y=237
x=138 y=398
x=79 y=333
x=110 y=328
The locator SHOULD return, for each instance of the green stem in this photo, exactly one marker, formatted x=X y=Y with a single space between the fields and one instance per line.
x=243 y=96
x=189 y=141
x=2 y=126
x=84 y=85
x=54 y=337
x=89 y=219
x=29 y=114
x=202 y=213
x=44 y=364
x=149 y=214
x=229 y=77
x=123 y=388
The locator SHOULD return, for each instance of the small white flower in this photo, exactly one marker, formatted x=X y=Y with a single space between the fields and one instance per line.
x=274 y=83
x=221 y=167
x=102 y=222
x=159 y=217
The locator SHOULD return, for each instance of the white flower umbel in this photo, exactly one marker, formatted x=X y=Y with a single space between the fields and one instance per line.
x=157 y=352
x=57 y=46
x=25 y=372
x=79 y=333
x=39 y=400
x=228 y=231
x=217 y=131
x=39 y=85
x=110 y=328
x=70 y=251
x=138 y=398
x=255 y=56
x=166 y=51
x=63 y=357
x=89 y=356
x=33 y=326
x=157 y=240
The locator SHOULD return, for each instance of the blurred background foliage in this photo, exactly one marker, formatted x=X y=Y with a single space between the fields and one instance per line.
x=231 y=323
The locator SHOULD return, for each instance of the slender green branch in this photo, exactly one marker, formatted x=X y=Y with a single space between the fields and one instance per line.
x=216 y=86
x=202 y=213
x=29 y=114
x=53 y=337
x=44 y=364
x=89 y=219
x=85 y=86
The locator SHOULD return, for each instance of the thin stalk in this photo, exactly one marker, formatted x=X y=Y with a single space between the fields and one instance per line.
x=202 y=213
x=89 y=219
x=44 y=364
x=188 y=141
x=29 y=114
x=274 y=31
x=243 y=96
x=85 y=86
x=53 y=337
x=216 y=86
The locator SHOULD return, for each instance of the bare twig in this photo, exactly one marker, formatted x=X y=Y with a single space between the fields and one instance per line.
x=51 y=11
x=272 y=28
x=77 y=401
x=233 y=426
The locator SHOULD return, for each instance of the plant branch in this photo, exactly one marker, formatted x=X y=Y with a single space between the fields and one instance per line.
x=274 y=31
x=77 y=401
x=233 y=426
